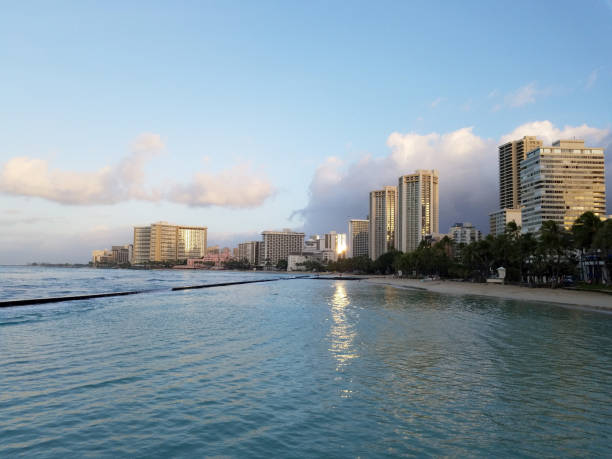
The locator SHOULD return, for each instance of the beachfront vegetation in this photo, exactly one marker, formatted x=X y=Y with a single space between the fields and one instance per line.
x=553 y=256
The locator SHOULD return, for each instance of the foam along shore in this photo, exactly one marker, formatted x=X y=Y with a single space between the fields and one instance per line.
x=594 y=300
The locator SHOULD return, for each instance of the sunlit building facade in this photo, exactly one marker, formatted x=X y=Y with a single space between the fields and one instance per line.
x=358 y=238
x=336 y=242
x=162 y=242
x=191 y=242
x=560 y=183
x=383 y=212
x=418 y=210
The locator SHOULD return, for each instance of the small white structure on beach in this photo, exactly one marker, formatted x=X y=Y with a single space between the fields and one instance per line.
x=501 y=275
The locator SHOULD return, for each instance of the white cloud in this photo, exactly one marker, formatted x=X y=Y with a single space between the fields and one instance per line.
x=437 y=102
x=238 y=187
x=148 y=142
x=466 y=163
x=592 y=79
x=522 y=96
x=32 y=177
x=235 y=187
x=24 y=176
x=549 y=133
x=339 y=190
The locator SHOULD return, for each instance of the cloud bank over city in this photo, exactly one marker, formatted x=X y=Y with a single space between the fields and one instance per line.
x=238 y=186
x=467 y=165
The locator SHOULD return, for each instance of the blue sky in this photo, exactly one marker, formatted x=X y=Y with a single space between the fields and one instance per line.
x=254 y=98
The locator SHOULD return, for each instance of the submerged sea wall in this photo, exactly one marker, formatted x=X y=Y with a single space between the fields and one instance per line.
x=58 y=299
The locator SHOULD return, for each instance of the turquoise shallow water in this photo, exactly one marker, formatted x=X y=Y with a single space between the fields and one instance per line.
x=295 y=368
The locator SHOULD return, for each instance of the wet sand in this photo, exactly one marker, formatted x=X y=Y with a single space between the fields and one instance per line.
x=591 y=300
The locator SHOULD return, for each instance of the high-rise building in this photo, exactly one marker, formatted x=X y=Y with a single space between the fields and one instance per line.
x=358 y=238
x=560 y=183
x=142 y=244
x=277 y=245
x=383 y=212
x=191 y=242
x=163 y=245
x=500 y=219
x=165 y=242
x=418 y=213
x=464 y=233
x=249 y=251
x=510 y=156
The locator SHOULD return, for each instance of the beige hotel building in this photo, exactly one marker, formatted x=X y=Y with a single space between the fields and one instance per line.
x=162 y=241
x=560 y=183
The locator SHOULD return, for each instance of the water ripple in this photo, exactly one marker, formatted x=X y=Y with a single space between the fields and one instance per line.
x=334 y=369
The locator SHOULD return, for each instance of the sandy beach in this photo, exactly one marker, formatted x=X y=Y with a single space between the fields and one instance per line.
x=591 y=300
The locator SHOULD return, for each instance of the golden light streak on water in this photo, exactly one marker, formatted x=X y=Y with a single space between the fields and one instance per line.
x=342 y=331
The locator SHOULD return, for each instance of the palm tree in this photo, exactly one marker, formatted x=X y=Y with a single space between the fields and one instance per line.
x=555 y=243
x=603 y=241
x=526 y=252
x=584 y=230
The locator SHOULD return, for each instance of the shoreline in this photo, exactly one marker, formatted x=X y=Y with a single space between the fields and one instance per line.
x=581 y=299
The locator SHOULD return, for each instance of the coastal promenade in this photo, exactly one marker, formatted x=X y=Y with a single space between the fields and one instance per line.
x=593 y=300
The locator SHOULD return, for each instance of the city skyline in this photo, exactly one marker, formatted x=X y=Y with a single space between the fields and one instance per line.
x=206 y=116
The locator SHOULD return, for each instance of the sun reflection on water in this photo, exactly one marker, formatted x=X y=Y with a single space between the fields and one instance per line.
x=342 y=331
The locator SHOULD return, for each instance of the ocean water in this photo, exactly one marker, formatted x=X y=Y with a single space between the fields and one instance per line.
x=294 y=368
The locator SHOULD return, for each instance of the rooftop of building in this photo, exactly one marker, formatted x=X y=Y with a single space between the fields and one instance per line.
x=284 y=231
x=569 y=143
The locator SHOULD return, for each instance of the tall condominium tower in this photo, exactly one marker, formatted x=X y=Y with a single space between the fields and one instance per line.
x=142 y=244
x=510 y=156
x=383 y=211
x=358 y=240
x=560 y=183
x=277 y=245
x=417 y=208
x=165 y=242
